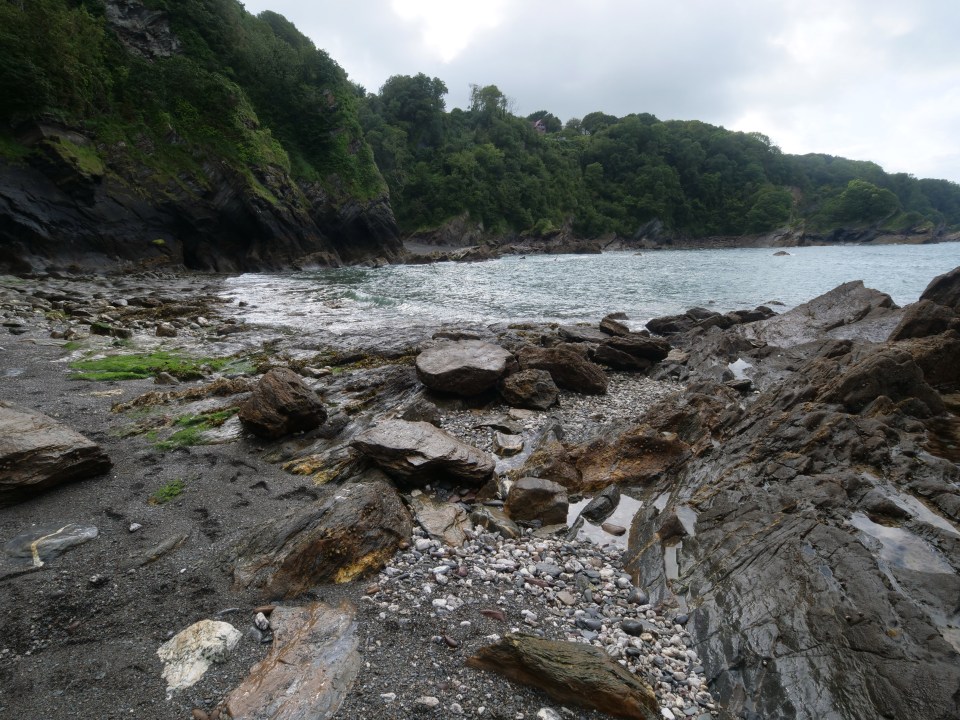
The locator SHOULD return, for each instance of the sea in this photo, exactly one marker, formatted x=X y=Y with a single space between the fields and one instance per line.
x=581 y=288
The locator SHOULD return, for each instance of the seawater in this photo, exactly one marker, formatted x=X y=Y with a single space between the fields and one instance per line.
x=572 y=288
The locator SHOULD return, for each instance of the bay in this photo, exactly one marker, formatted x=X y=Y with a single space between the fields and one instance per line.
x=572 y=288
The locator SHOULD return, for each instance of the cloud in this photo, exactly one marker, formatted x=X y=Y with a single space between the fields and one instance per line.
x=873 y=80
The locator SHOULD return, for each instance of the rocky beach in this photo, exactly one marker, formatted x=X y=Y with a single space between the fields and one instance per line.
x=748 y=514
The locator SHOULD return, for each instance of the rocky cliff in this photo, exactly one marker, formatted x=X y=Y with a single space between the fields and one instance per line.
x=180 y=156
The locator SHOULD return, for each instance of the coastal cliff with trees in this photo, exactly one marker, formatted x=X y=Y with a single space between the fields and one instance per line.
x=152 y=132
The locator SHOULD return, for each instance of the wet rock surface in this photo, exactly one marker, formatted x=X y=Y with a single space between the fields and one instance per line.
x=281 y=404
x=466 y=367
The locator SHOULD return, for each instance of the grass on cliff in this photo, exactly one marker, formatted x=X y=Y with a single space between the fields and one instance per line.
x=139 y=366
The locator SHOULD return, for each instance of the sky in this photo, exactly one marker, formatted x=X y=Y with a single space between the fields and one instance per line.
x=864 y=79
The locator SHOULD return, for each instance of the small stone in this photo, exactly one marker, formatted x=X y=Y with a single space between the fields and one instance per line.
x=548 y=714
x=427 y=701
x=456 y=708
x=135 y=526
x=613 y=529
x=638 y=597
x=566 y=598
x=261 y=622
x=199 y=714
x=165 y=378
x=388 y=697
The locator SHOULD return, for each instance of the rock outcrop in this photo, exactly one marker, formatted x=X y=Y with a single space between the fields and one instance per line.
x=38 y=453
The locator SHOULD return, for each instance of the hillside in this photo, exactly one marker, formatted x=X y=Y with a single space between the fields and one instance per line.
x=189 y=133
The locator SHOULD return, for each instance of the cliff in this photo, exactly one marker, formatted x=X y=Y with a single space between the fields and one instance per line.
x=137 y=134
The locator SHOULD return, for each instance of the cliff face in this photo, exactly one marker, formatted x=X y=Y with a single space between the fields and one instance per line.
x=170 y=161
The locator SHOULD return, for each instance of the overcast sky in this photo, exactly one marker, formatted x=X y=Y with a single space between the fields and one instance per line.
x=866 y=79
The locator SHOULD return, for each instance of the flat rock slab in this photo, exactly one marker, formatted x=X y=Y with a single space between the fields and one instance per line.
x=417 y=452
x=310 y=669
x=38 y=453
x=41 y=545
x=350 y=531
x=444 y=521
x=191 y=652
x=570 y=673
x=465 y=367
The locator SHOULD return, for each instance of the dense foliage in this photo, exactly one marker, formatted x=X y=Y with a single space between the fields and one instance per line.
x=620 y=175
x=250 y=91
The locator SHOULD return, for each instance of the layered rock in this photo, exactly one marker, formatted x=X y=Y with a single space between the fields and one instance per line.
x=466 y=367
x=532 y=389
x=281 y=404
x=535 y=499
x=38 y=453
x=418 y=452
x=569 y=369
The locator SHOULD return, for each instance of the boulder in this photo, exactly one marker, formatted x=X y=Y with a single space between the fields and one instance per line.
x=281 y=404
x=602 y=505
x=581 y=334
x=637 y=457
x=191 y=652
x=532 y=499
x=571 y=674
x=495 y=520
x=632 y=351
x=38 y=453
x=937 y=357
x=311 y=666
x=568 y=368
x=532 y=389
x=418 y=452
x=944 y=290
x=465 y=367
x=925 y=318
x=840 y=313
x=552 y=461
x=348 y=532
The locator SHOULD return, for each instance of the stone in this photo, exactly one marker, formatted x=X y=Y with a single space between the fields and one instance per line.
x=632 y=351
x=531 y=389
x=418 y=452
x=569 y=673
x=281 y=404
x=166 y=330
x=495 y=520
x=944 y=290
x=38 y=453
x=569 y=369
x=636 y=457
x=100 y=328
x=925 y=318
x=581 y=334
x=165 y=378
x=444 y=521
x=40 y=545
x=611 y=324
x=533 y=498
x=465 y=367
x=347 y=533
x=191 y=652
x=506 y=445
x=602 y=505
x=613 y=529
x=312 y=665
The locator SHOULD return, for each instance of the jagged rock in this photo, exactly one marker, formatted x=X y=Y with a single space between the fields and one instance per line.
x=840 y=313
x=443 y=521
x=38 y=453
x=281 y=404
x=533 y=389
x=507 y=444
x=570 y=673
x=944 y=290
x=602 y=505
x=552 y=462
x=568 y=368
x=311 y=667
x=533 y=499
x=632 y=352
x=349 y=532
x=465 y=367
x=141 y=30
x=937 y=357
x=581 y=333
x=417 y=452
x=611 y=324
x=890 y=372
x=925 y=318
x=191 y=652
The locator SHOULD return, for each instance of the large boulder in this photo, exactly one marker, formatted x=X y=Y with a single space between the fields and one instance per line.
x=532 y=389
x=282 y=404
x=849 y=311
x=632 y=351
x=465 y=367
x=532 y=499
x=568 y=368
x=349 y=532
x=418 y=452
x=311 y=667
x=443 y=521
x=38 y=453
x=945 y=290
x=925 y=318
x=571 y=674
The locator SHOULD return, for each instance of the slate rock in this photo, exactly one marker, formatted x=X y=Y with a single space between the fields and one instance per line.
x=611 y=324
x=38 y=453
x=444 y=521
x=570 y=673
x=925 y=318
x=569 y=369
x=349 y=532
x=465 y=367
x=311 y=666
x=531 y=389
x=281 y=404
x=533 y=498
x=602 y=505
x=418 y=452
x=495 y=520
x=189 y=654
